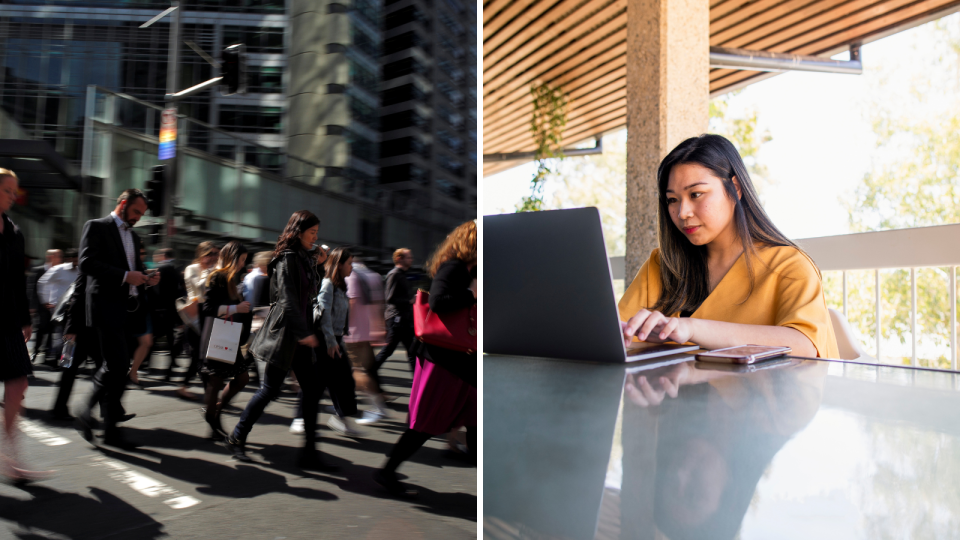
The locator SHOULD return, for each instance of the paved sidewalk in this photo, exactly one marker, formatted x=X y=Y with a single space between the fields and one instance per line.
x=182 y=485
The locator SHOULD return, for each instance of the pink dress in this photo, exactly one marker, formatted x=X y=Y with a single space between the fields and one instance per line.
x=440 y=401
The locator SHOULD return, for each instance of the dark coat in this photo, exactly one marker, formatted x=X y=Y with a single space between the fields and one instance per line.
x=218 y=294
x=450 y=292
x=33 y=291
x=292 y=294
x=16 y=310
x=104 y=262
x=397 y=295
x=163 y=297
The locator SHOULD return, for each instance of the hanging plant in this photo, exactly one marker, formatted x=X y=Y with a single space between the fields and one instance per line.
x=547 y=123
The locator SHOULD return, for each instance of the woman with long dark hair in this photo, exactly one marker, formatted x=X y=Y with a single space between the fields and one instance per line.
x=287 y=340
x=444 y=392
x=15 y=330
x=223 y=300
x=724 y=275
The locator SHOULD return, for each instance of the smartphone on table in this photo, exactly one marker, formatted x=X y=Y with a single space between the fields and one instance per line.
x=742 y=354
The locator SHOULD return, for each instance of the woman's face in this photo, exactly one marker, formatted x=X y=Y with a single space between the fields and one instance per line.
x=309 y=236
x=8 y=193
x=698 y=204
x=346 y=267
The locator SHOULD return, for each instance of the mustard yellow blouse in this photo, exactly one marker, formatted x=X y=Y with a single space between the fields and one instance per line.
x=787 y=292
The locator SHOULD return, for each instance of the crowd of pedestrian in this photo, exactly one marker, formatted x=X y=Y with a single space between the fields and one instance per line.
x=301 y=310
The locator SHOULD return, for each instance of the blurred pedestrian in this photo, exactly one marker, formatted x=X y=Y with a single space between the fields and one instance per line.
x=15 y=330
x=144 y=340
x=287 y=340
x=195 y=280
x=399 y=312
x=223 y=299
x=333 y=308
x=365 y=292
x=39 y=307
x=166 y=321
x=444 y=395
x=256 y=284
x=116 y=281
x=51 y=287
x=86 y=343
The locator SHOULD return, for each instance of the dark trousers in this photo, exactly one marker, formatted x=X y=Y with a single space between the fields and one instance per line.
x=166 y=325
x=311 y=383
x=110 y=381
x=194 y=339
x=337 y=376
x=44 y=331
x=88 y=344
x=397 y=332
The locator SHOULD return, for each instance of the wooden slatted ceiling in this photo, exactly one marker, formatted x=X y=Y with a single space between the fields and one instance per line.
x=581 y=46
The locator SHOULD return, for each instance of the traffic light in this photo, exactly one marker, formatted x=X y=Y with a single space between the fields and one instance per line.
x=233 y=69
x=154 y=191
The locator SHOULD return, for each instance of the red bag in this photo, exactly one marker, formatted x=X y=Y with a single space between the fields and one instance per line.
x=456 y=331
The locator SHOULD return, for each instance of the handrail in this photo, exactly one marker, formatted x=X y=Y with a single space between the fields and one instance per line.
x=915 y=247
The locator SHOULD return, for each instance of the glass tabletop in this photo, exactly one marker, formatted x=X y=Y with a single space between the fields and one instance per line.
x=794 y=448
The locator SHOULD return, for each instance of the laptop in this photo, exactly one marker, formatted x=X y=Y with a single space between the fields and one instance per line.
x=548 y=290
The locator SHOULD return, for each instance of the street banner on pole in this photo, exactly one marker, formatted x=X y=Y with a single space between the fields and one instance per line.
x=168 y=134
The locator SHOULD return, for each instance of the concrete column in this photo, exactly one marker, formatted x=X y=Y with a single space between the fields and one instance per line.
x=318 y=38
x=668 y=64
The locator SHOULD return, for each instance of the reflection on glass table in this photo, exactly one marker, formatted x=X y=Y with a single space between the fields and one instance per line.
x=793 y=448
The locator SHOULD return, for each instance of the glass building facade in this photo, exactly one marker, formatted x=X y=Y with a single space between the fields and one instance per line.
x=235 y=169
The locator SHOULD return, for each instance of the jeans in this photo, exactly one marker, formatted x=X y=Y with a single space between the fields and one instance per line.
x=337 y=377
x=310 y=378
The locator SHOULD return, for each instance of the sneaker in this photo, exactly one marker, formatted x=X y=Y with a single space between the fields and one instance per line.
x=371 y=417
x=297 y=426
x=343 y=427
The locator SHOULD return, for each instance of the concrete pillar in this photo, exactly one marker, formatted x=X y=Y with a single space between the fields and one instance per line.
x=317 y=63
x=668 y=64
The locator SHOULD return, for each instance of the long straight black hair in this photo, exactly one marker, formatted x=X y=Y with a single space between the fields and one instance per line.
x=683 y=265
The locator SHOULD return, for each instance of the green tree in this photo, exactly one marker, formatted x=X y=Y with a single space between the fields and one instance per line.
x=743 y=132
x=914 y=182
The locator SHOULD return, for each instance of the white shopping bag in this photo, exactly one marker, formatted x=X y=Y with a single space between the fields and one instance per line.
x=221 y=339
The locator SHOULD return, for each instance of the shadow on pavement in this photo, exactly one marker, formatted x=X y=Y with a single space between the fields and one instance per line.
x=209 y=477
x=426 y=455
x=72 y=515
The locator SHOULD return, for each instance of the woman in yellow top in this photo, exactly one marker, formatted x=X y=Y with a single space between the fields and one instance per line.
x=723 y=275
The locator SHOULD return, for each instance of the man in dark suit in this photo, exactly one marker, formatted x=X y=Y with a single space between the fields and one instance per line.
x=166 y=320
x=41 y=310
x=115 y=306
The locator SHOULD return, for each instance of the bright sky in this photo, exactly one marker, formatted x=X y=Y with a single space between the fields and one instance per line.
x=821 y=127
